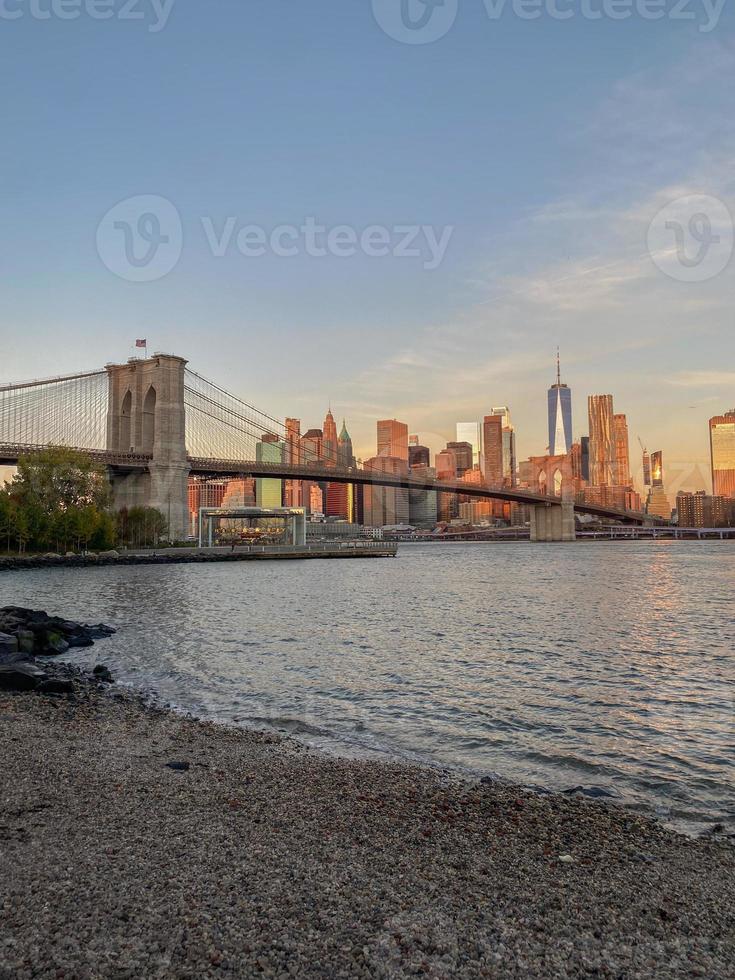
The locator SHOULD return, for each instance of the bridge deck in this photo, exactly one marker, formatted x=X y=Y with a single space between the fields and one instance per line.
x=9 y=455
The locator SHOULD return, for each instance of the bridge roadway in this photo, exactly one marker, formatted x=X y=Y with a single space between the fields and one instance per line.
x=131 y=462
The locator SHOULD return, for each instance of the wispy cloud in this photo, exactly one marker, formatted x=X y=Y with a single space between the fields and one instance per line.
x=704 y=379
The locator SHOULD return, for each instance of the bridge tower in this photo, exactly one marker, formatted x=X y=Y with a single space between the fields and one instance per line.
x=146 y=415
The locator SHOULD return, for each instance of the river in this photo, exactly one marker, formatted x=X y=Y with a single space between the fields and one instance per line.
x=609 y=666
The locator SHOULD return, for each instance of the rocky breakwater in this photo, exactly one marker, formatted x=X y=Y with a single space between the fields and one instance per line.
x=29 y=634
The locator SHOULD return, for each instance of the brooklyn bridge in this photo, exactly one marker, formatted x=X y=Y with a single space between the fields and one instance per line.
x=153 y=422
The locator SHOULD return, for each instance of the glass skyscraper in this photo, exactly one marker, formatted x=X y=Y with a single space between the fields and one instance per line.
x=560 y=416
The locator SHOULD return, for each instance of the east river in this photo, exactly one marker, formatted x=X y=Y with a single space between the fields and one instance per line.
x=609 y=666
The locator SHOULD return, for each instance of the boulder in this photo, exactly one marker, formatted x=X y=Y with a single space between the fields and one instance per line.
x=55 y=685
x=20 y=677
x=8 y=645
x=102 y=673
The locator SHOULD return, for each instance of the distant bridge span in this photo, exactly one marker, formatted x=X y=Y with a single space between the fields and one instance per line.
x=203 y=466
x=152 y=422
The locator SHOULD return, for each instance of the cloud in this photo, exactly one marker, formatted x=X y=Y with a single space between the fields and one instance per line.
x=703 y=379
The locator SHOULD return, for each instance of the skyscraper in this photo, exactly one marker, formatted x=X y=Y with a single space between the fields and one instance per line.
x=585 y=454
x=393 y=439
x=509 y=445
x=329 y=439
x=646 y=468
x=464 y=454
x=722 y=453
x=385 y=505
x=345 y=456
x=340 y=498
x=470 y=432
x=292 y=490
x=621 y=473
x=657 y=502
x=602 y=449
x=418 y=455
x=269 y=492
x=492 y=450
x=559 y=399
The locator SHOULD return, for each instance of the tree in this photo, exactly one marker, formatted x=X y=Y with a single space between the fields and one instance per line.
x=57 y=499
x=141 y=527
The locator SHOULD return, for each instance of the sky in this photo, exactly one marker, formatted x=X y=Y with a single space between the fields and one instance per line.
x=535 y=181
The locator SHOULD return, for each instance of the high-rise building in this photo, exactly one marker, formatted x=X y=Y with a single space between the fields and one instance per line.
x=584 y=448
x=646 y=468
x=509 y=445
x=418 y=455
x=702 y=510
x=559 y=399
x=464 y=455
x=345 y=455
x=621 y=472
x=329 y=439
x=657 y=469
x=340 y=498
x=722 y=453
x=385 y=505
x=269 y=492
x=492 y=450
x=422 y=504
x=602 y=446
x=310 y=446
x=445 y=464
x=470 y=432
x=292 y=491
x=658 y=503
x=393 y=439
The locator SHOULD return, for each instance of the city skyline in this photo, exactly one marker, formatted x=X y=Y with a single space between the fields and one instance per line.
x=550 y=226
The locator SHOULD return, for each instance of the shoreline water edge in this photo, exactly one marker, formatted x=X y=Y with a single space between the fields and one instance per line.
x=139 y=841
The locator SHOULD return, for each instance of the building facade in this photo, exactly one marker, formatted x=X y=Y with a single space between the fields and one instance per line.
x=602 y=449
x=393 y=439
x=722 y=453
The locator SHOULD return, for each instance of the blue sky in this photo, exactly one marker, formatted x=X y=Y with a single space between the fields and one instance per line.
x=546 y=146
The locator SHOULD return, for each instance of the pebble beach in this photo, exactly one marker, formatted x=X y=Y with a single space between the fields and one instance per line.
x=137 y=842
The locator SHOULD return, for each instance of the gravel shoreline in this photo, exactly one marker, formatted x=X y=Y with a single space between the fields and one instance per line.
x=135 y=842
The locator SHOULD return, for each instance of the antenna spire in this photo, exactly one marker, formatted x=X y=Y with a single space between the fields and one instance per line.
x=558 y=368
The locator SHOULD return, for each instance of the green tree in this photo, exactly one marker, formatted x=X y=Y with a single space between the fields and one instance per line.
x=58 y=499
x=141 y=527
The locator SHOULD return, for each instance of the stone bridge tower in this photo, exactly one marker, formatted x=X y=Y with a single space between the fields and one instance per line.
x=146 y=415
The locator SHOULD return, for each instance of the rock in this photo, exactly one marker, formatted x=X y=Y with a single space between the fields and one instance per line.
x=26 y=640
x=178 y=766
x=56 y=685
x=109 y=554
x=55 y=644
x=566 y=859
x=20 y=677
x=8 y=645
x=593 y=792
x=102 y=673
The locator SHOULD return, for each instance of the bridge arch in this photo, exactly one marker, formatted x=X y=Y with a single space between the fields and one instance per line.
x=126 y=421
x=148 y=429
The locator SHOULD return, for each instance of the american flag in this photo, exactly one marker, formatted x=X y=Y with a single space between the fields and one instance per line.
x=141 y=343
